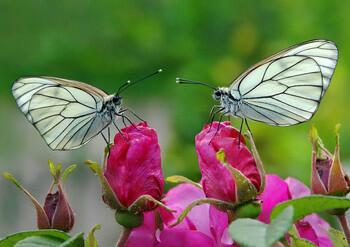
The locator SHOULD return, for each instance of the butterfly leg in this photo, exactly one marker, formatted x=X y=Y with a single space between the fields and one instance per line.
x=213 y=116
x=129 y=120
x=212 y=112
x=246 y=123
x=107 y=142
x=240 y=132
x=135 y=115
x=220 y=120
x=119 y=130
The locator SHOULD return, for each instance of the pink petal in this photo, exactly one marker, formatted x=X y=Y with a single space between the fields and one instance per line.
x=134 y=164
x=178 y=198
x=320 y=228
x=180 y=237
x=296 y=188
x=306 y=231
x=218 y=226
x=276 y=191
x=144 y=235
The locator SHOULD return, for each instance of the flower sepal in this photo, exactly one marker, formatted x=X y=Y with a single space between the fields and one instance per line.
x=146 y=203
x=219 y=204
x=245 y=189
x=108 y=195
x=258 y=161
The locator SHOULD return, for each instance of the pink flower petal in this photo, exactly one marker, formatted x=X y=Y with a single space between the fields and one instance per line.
x=320 y=228
x=296 y=188
x=144 y=235
x=276 y=191
x=181 y=237
x=178 y=199
x=306 y=231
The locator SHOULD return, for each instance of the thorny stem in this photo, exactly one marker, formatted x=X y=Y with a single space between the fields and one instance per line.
x=344 y=224
x=123 y=237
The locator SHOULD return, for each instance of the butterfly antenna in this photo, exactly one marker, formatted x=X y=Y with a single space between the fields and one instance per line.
x=131 y=83
x=186 y=81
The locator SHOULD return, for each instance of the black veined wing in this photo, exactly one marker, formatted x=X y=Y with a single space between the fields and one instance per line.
x=66 y=113
x=286 y=88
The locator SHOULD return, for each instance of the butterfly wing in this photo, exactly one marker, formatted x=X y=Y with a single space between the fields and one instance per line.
x=324 y=52
x=286 y=88
x=64 y=112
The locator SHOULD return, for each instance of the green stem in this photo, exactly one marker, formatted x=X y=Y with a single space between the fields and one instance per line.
x=231 y=215
x=123 y=237
x=344 y=224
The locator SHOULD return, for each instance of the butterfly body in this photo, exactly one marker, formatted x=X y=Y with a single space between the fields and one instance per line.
x=229 y=101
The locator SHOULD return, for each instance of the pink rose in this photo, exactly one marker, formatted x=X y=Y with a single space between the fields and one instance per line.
x=311 y=227
x=134 y=166
x=217 y=180
x=203 y=226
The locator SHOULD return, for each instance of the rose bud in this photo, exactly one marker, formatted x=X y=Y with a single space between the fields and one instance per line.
x=132 y=178
x=56 y=212
x=237 y=178
x=328 y=175
x=134 y=166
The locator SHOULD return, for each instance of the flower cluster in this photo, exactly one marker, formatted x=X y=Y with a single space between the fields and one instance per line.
x=233 y=187
x=197 y=214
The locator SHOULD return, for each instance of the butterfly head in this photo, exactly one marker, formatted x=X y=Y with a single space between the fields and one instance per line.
x=117 y=100
x=219 y=93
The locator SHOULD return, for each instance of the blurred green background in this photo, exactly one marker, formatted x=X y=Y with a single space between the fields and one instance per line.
x=106 y=43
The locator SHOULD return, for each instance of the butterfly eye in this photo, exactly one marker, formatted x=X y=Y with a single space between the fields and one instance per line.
x=116 y=100
x=217 y=95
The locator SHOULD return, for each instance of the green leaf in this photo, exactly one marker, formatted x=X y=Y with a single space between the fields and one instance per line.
x=38 y=241
x=240 y=228
x=312 y=204
x=54 y=235
x=295 y=241
x=75 y=241
x=280 y=225
x=176 y=179
x=68 y=171
x=338 y=238
x=299 y=242
x=91 y=241
x=253 y=233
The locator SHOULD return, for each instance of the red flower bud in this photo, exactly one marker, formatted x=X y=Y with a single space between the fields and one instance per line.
x=328 y=176
x=134 y=167
x=58 y=211
x=218 y=181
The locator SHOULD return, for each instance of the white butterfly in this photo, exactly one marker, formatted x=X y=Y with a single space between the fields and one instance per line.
x=282 y=90
x=67 y=113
